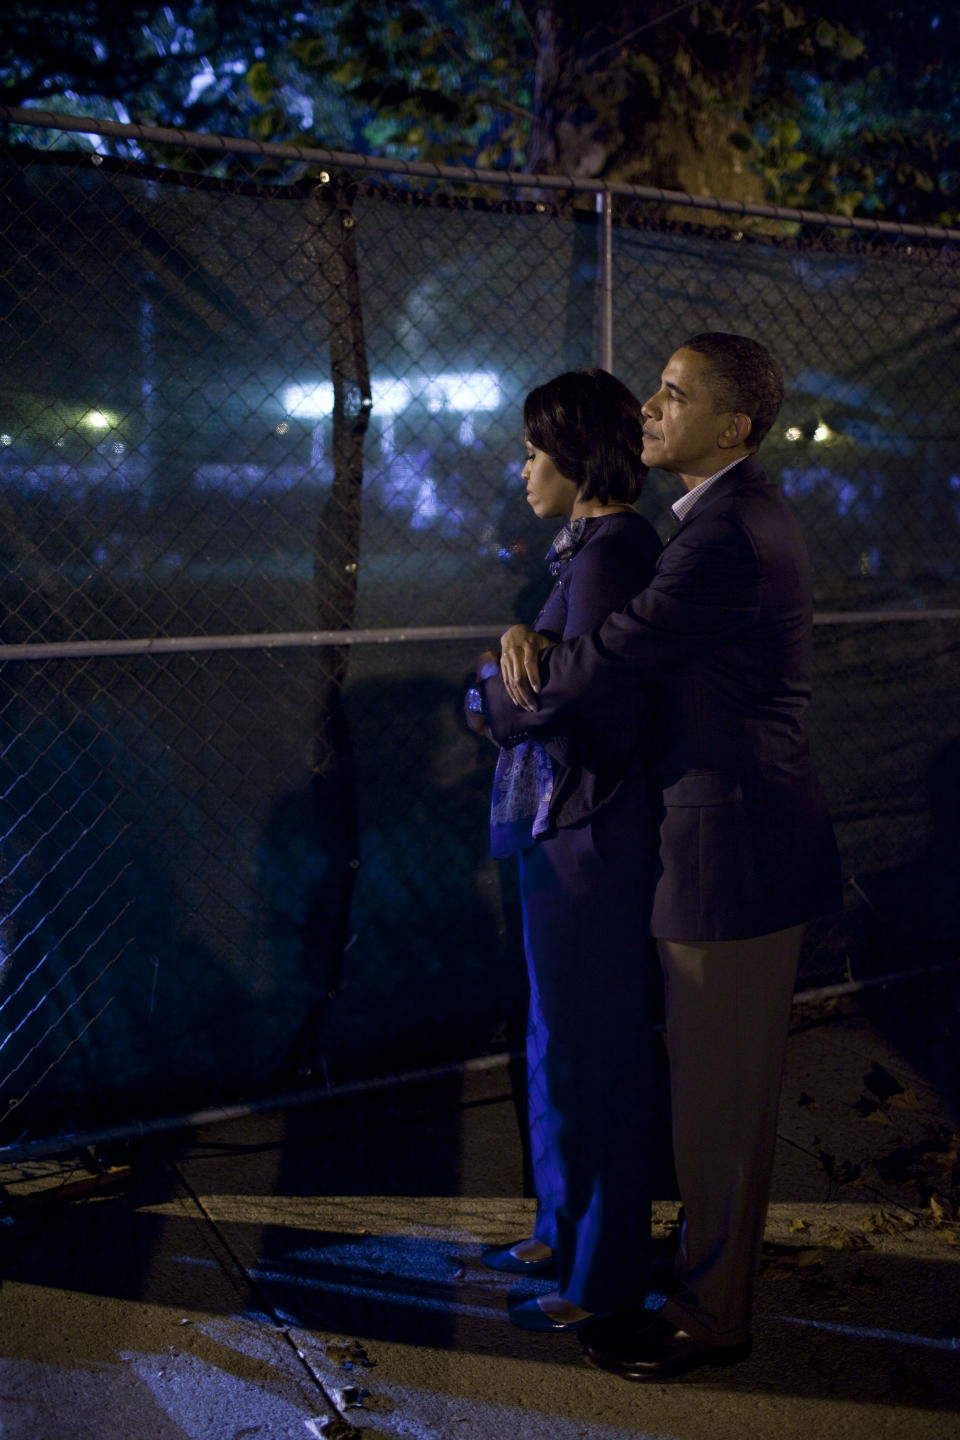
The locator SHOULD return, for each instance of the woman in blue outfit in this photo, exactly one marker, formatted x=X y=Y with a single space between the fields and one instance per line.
x=580 y=812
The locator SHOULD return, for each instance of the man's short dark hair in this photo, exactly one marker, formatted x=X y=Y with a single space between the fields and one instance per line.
x=591 y=426
x=743 y=377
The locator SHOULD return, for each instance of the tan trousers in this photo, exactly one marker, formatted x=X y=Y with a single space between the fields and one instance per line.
x=727 y=1011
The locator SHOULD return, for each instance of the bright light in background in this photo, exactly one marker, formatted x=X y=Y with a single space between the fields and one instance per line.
x=200 y=82
x=794 y=433
x=6 y=439
x=475 y=390
x=97 y=420
x=309 y=402
x=464 y=394
x=822 y=433
x=389 y=396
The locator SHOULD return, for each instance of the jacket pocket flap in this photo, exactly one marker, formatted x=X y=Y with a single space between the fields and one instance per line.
x=704 y=787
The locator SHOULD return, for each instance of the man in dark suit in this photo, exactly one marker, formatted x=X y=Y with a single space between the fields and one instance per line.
x=747 y=851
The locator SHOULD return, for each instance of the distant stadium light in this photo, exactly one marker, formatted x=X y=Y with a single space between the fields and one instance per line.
x=474 y=390
x=794 y=433
x=97 y=420
x=463 y=393
x=390 y=396
x=822 y=434
x=308 y=402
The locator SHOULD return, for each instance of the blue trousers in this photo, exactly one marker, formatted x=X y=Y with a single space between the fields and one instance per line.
x=586 y=898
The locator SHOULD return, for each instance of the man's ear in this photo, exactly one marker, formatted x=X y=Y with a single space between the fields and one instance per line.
x=736 y=432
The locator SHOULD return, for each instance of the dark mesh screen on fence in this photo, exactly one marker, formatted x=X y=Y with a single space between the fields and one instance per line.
x=200 y=845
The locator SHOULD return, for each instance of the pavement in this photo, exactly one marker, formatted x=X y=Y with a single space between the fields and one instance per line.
x=315 y=1271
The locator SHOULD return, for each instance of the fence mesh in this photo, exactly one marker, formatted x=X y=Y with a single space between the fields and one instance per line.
x=202 y=845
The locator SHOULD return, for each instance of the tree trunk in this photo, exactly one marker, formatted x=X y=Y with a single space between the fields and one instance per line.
x=625 y=92
x=336 y=559
x=337 y=541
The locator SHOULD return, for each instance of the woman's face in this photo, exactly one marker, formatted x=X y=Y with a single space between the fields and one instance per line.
x=549 y=494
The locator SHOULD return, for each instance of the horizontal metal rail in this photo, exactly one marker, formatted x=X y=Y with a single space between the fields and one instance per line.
x=875 y=982
x=314 y=639
x=878 y=617
x=317 y=155
x=269 y=640
x=27 y=1150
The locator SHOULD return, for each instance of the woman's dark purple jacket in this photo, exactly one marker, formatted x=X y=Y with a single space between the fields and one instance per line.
x=600 y=744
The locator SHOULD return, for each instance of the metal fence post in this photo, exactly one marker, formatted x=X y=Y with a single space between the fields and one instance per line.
x=605 y=279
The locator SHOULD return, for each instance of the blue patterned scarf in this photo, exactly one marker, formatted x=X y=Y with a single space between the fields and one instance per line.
x=565 y=545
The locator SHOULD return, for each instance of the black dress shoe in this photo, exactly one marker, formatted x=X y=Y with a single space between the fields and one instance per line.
x=508 y=1263
x=651 y=1349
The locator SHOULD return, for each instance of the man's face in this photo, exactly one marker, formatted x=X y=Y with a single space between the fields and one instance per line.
x=682 y=427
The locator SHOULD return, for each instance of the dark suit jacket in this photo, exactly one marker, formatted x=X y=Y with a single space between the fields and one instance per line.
x=746 y=844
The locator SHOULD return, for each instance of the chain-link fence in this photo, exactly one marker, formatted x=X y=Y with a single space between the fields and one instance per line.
x=260 y=450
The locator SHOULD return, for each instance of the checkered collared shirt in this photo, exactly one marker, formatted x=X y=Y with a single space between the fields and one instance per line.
x=681 y=508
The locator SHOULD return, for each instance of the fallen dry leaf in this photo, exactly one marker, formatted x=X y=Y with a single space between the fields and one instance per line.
x=947 y=1158
x=808 y=1259
x=906 y=1100
x=881 y=1222
x=838 y=1239
x=941 y=1209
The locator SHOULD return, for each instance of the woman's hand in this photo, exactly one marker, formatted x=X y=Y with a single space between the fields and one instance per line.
x=487 y=665
x=520 y=649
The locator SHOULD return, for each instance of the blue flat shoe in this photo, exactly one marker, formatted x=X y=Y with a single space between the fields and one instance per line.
x=530 y=1315
x=504 y=1261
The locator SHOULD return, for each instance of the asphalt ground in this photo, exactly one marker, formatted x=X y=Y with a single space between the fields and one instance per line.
x=315 y=1271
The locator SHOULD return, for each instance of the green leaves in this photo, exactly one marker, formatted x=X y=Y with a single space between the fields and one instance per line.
x=788 y=133
x=837 y=105
x=260 y=82
x=836 y=37
x=268 y=125
x=311 y=52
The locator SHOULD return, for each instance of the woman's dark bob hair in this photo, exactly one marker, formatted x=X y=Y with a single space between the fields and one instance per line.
x=590 y=425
